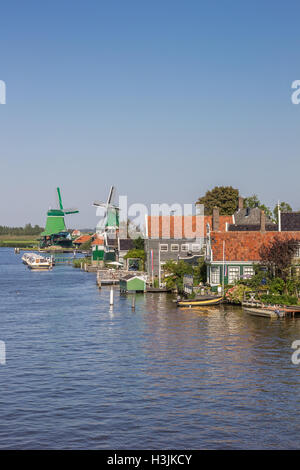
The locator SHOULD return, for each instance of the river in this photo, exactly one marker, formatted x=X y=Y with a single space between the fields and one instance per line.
x=80 y=375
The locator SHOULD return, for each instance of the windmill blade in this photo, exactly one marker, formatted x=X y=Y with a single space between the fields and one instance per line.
x=111 y=195
x=59 y=199
x=99 y=204
x=71 y=211
x=101 y=224
x=116 y=208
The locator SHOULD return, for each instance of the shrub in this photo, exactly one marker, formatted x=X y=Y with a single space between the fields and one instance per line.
x=279 y=299
x=77 y=262
x=276 y=285
x=236 y=293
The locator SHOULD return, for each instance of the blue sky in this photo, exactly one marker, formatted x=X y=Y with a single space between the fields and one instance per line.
x=164 y=99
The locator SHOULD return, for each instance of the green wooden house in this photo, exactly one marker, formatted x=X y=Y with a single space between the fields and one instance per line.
x=102 y=252
x=132 y=283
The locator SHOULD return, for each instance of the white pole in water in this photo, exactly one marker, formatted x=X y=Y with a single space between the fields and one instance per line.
x=159 y=273
x=111 y=298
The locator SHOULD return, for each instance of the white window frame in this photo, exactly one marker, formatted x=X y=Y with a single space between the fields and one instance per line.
x=236 y=269
x=215 y=280
x=175 y=247
x=196 y=247
x=163 y=247
x=185 y=247
x=297 y=252
x=245 y=275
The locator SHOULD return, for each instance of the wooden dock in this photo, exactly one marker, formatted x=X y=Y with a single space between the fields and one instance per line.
x=111 y=277
x=272 y=311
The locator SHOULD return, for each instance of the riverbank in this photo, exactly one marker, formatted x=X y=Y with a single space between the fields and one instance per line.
x=23 y=241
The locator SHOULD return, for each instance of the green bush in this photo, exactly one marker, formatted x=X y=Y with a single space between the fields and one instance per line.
x=276 y=285
x=279 y=299
x=77 y=262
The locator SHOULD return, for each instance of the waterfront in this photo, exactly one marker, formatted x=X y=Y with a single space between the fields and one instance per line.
x=80 y=375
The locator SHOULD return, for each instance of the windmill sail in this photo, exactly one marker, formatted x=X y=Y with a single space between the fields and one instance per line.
x=111 y=195
x=71 y=211
x=59 y=199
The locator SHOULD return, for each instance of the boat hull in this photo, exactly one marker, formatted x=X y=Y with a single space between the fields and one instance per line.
x=199 y=302
x=263 y=312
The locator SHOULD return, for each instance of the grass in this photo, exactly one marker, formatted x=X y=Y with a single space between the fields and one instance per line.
x=77 y=262
x=18 y=237
x=15 y=241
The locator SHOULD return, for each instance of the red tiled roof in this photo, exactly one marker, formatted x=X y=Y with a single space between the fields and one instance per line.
x=244 y=246
x=82 y=239
x=98 y=241
x=175 y=226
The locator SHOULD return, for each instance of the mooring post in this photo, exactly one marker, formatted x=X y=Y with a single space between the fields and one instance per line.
x=98 y=280
x=133 y=302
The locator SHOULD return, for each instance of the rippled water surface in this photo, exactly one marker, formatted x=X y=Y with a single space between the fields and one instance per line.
x=78 y=375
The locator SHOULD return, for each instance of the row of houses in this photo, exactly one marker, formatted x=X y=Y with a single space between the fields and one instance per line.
x=230 y=245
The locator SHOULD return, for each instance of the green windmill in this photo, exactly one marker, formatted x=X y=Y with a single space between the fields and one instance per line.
x=55 y=232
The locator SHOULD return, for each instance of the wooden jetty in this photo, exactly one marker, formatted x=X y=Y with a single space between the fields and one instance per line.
x=272 y=311
x=107 y=277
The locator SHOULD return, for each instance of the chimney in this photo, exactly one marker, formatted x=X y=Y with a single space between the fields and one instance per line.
x=215 y=219
x=241 y=203
x=262 y=221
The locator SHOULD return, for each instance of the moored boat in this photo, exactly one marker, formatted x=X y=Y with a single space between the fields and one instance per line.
x=202 y=301
x=39 y=263
x=273 y=311
x=27 y=256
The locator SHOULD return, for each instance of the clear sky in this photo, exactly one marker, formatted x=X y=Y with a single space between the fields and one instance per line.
x=163 y=98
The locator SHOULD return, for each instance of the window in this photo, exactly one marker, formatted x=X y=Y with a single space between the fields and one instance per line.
x=174 y=247
x=297 y=252
x=248 y=272
x=163 y=247
x=215 y=275
x=185 y=247
x=233 y=274
x=196 y=247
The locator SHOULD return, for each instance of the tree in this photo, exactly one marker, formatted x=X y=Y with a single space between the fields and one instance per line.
x=284 y=207
x=224 y=197
x=253 y=201
x=137 y=254
x=278 y=256
x=174 y=272
x=86 y=245
x=200 y=272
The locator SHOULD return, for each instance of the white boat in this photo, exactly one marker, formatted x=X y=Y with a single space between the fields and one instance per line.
x=27 y=256
x=35 y=261
x=39 y=263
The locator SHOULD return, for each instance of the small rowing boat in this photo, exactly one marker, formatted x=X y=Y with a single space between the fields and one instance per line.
x=202 y=301
x=265 y=312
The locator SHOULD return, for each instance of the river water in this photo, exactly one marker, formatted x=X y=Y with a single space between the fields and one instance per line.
x=79 y=375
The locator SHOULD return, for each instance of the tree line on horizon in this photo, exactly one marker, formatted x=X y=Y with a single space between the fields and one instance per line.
x=17 y=231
